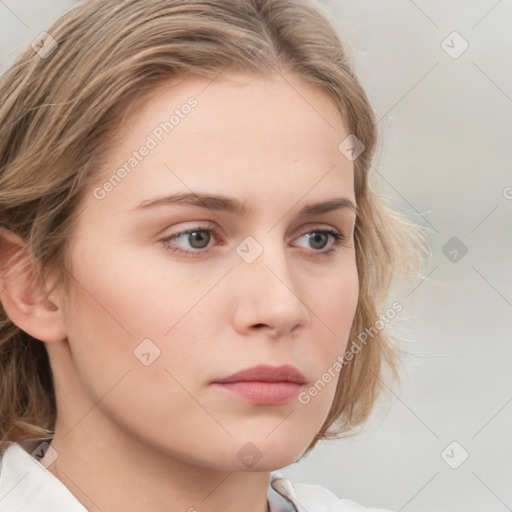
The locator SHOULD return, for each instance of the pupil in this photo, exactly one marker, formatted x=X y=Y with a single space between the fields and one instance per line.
x=200 y=237
x=316 y=238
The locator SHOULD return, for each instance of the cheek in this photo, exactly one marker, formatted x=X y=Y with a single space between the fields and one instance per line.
x=334 y=305
x=124 y=313
x=332 y=313
x=128 y=293
x=123 y=358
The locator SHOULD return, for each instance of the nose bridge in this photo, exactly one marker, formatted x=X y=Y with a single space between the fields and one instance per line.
x=268 y=262
x=267 y=288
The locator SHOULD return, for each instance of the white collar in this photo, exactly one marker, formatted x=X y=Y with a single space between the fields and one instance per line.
x=25 y=484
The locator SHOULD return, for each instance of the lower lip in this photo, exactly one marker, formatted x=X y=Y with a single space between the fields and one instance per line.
x=263 y=393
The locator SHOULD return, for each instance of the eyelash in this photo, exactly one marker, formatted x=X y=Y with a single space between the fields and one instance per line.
x=338 y=240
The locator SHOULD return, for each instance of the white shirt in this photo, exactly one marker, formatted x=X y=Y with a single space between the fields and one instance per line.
x=27 y=486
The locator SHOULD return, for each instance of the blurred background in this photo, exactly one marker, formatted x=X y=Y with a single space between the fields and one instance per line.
x=439 y=77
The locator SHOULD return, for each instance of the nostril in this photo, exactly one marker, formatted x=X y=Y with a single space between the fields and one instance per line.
x=259 y=325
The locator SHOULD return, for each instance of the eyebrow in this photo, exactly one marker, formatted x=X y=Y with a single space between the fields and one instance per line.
x=232 y=205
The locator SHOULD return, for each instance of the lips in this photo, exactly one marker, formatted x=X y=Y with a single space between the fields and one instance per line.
x=264 y=384
x=266 y=373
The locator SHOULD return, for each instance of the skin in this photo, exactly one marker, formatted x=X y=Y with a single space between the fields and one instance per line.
x=136 y=437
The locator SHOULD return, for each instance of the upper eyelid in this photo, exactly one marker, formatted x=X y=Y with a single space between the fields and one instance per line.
x=218 y=220
x=215 y=229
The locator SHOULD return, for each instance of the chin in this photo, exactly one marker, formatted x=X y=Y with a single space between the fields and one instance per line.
x=247 y=456
x=271 y=455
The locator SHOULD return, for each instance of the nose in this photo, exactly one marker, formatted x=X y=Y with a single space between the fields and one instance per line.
x=267 y=296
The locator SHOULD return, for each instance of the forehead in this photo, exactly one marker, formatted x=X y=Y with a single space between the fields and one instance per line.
x=238 y=132
x=262 y=95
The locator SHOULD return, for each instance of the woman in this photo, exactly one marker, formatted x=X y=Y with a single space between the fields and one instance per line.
x=190 y=253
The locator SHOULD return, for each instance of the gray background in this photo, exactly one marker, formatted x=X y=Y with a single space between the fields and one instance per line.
x=446 y=126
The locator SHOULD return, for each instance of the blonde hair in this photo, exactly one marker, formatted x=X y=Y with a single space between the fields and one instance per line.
x=59 y=109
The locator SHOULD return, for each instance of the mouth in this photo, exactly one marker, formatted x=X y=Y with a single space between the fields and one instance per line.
x=264 y=384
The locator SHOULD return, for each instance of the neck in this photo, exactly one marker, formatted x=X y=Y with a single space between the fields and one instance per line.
x=111 y=473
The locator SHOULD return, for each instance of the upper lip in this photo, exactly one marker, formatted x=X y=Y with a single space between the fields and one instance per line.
x=266 y=373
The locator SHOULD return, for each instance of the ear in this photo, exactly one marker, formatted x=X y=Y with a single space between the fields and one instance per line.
x=23 y=296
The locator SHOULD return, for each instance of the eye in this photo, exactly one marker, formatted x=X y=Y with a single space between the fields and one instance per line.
x=319 y=239
x=199 y=237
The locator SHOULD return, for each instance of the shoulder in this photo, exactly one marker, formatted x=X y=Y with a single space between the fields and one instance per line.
x=312 y=497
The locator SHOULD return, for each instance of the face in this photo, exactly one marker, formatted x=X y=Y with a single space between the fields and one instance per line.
x=171 y=297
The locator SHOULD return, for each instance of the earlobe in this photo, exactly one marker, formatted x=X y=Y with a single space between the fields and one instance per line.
x=23 y=297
